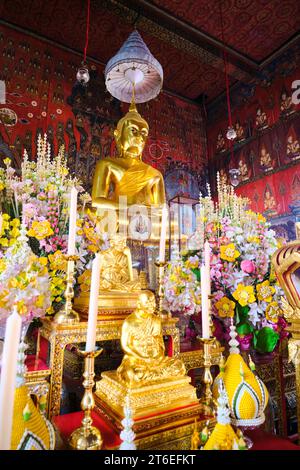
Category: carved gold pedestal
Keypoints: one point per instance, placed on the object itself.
(157, 396)
(163, 412)
(111, 305)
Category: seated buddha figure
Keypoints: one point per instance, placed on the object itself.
(261, 120)
(286, 104)
(292, 147)
(116, 273)
(266, 162)
(126, 175)
(142, 342)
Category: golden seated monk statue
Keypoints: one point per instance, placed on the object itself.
(154, 382)
(116, 273)
(142, 341)
(126, 175)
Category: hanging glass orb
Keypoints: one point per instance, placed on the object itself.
(231, 134)
(83, 75)
(234, 174)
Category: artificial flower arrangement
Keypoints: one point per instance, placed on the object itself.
(37, 200)
(243, 285)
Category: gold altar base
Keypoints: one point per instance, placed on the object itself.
(111, 305)
(164, 412)
(160, 395)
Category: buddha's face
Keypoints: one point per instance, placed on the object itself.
(133, 138)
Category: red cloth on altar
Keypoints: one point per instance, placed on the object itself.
(67, 423)
(264, 441)
(33, 365)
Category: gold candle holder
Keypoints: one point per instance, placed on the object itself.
(87, 437)
(67, 314)
(160, 292)
(207, 400)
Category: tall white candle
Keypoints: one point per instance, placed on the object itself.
(207, 264)
(72, 222)
(8, 377)
(163, 234)
(93, 307)
(204, 302)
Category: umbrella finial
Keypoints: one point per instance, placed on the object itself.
(132, 107)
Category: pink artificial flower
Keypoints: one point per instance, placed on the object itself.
(224, 240)
(209, 227)
(248, 266)
(245, 341)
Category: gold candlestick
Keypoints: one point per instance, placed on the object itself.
(160, 292)
(67, 314)
(207, 400)
(87, 437)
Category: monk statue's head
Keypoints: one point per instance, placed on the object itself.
(146, 302)
(131, 134)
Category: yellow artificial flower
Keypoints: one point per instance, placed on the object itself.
(58, 261)
(5, 216)
(93, 248)
(22, 309)
(3, 299)
(3, 241)
(2, 186)
(7, 161)
(229, 252)
(85, 280)
(273, 311)
(40, 301)
(261, 218)
(265, 291)
(244, 295)
(91, 234)
(2, 265)
(253, 239)
(15, 223)
(5, 225)
(43, 260)
(14, 233)
(225, 307)
(40, 230)
(12, 241)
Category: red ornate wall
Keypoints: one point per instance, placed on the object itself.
(42, 96)
(267, 150)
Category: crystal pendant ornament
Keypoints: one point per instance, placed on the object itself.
(83, 75)
(234, 174)
(231, 134)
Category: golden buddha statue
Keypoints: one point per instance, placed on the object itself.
(142, 341)
(126, 175)
(116, 273)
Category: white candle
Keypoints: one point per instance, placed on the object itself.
(204, 302)
(163, 234)
(8, 377)
(207, 264)
(93, 307)
(72, 222)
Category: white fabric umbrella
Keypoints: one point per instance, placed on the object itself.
(133, 64)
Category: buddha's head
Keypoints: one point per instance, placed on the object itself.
(146, 302)
(131, 134)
